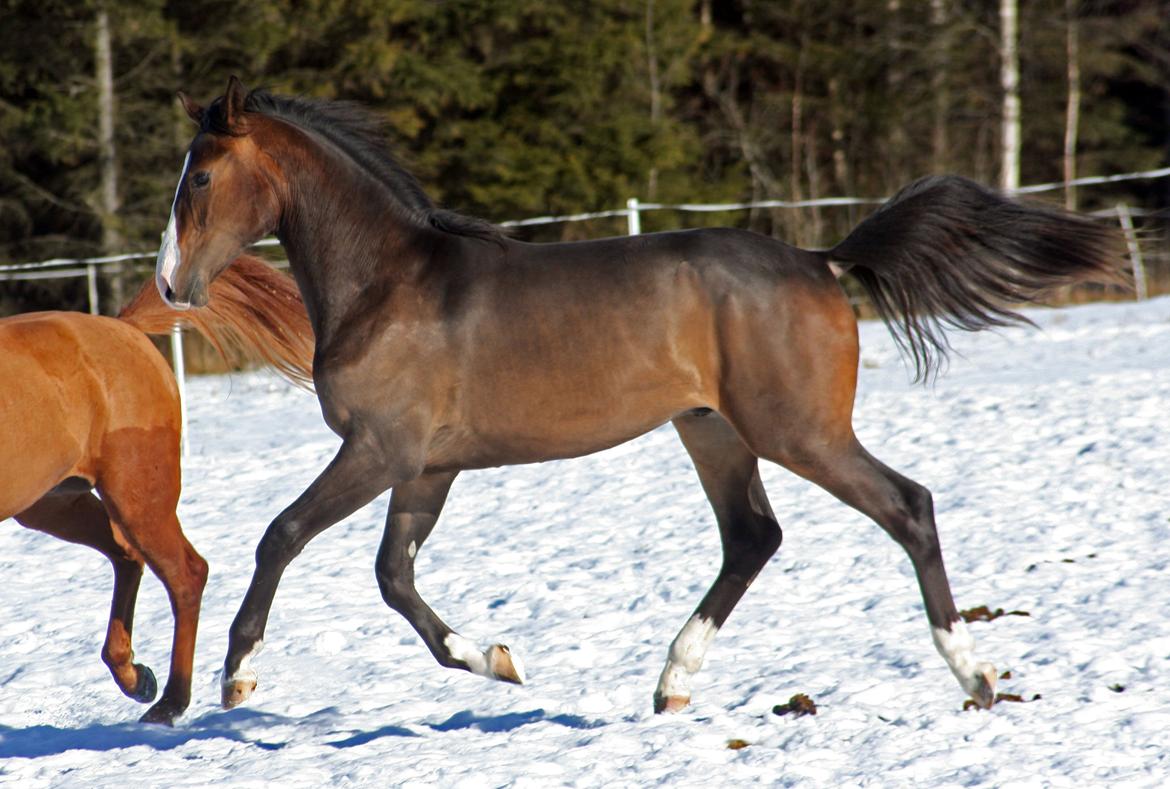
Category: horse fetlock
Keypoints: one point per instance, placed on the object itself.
(957, 647)
(163, 713)
(495, 662)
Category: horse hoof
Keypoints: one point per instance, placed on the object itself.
(147, 687)
(983, 691)
(670, 703)
(237, 691)
(162, 714)
(503, 665)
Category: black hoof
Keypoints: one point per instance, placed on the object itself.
(162, 713)
(147, 685)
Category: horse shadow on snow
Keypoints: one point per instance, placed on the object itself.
(38, 741)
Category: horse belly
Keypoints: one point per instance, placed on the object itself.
(548, 413)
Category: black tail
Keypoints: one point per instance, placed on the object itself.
(948, 252)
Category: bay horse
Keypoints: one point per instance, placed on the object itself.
(443, 345)
(90, 445)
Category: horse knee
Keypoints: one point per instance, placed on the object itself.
(281, 543)
(395, 588)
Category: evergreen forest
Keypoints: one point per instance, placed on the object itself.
(507, 109)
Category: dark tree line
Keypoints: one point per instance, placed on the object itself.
(514, 108)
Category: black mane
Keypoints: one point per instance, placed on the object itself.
(362, 136)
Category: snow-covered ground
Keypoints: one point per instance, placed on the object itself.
(1048, 453)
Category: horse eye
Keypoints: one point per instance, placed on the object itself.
(201, 178)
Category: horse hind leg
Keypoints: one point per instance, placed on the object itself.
(141, 491)
(414, 510)
(750, 535)
(80, 517)
(904, 509)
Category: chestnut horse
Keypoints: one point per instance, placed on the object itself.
(442, 345)
(90, 445)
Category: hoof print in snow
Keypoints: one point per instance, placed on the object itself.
(737, 744)
(982, 613)
(798, 705)
(970, 704)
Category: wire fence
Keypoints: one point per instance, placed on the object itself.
(88, 267)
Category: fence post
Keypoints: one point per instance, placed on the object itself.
(91, 284)
(633, 217)
(181, 378)
(1135, 251)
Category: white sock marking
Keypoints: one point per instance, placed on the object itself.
(463, 649)
(686, 657)
(246, 672)
(957, 647)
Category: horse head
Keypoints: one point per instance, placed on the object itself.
(226, 198)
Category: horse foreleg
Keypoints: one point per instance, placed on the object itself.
(80, 518)
(414, 510)
(750, 535)
(357, 474)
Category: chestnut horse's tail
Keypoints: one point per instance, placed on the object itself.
(253, 313)
(948, 252)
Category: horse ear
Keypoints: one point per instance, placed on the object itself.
(193, 109)
(233, 101)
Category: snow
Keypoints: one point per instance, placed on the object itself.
(1046, 450)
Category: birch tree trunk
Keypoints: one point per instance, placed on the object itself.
(1009, 78)
(1072, 115)
(108, 199)
(940, 85)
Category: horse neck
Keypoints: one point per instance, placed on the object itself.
(345, 235)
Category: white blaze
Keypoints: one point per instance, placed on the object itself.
(168, 252)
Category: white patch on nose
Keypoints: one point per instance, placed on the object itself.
(168, 259)
(686, 656)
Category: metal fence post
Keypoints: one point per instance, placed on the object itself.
(633, 217)
(181, 378)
